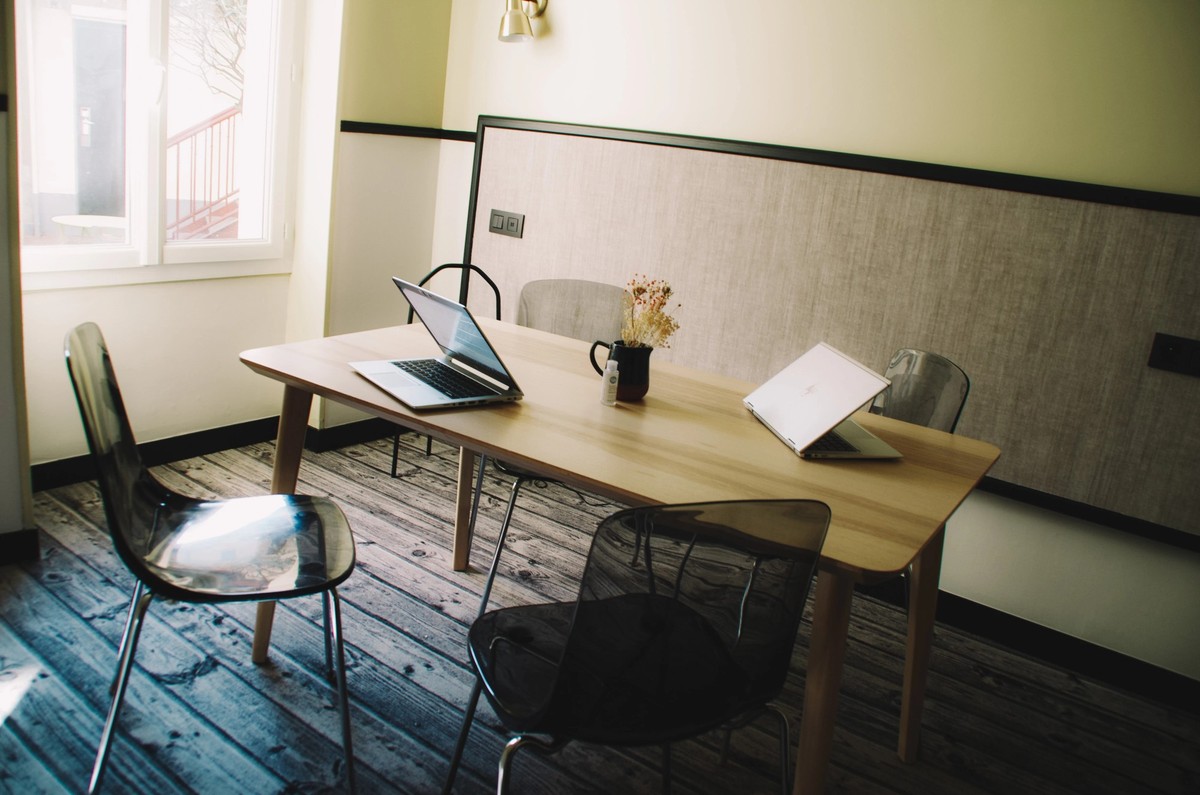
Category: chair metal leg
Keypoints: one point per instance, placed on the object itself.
(666, 769)
(487, 586)
(461, 743)
(785, 747)
(396, 453)
(483, 459)
(328, 633)
(133, 629)
(504, 774)
(138, 589)
(334, 606)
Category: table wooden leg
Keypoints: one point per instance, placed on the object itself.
(922, 609)
(462, 509)
(823, 678)
(289, 446)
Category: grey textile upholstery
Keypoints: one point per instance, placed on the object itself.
(576, 308)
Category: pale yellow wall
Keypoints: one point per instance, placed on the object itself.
(394, 62)
(1092, 90)
(1101, 91)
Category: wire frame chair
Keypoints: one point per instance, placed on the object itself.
(246, 549)
(686, 620)
(467, 270)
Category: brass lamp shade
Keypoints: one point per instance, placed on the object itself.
(514, 26)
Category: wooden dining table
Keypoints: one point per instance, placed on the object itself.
(689, 439)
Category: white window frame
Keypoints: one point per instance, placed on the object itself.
(147, 256)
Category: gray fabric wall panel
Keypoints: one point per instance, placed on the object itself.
(1050, 304)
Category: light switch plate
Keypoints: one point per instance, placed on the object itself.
(506, 223)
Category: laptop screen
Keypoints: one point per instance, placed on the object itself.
(455, 331)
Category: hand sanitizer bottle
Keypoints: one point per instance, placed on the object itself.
(608, 391)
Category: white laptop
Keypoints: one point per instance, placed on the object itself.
(468, 373)
(807, 403)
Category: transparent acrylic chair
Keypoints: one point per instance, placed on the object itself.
(248, 549)
(694, 633)
(927, 389)
(576, 308)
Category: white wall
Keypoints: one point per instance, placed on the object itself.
(1098, 91)
(175, 350)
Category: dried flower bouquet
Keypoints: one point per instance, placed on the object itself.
(647, 322)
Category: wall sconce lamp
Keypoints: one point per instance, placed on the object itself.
(515, 24)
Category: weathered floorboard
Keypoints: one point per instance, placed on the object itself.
(200, 717)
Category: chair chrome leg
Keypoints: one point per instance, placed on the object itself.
(334, 605)
(328, 632)
(491, 577)
(785, 747)
(138, 589)
(503, 774)
(475, 500)
(133, 628)
(461, 743)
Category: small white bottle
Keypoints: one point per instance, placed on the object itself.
(608, 389)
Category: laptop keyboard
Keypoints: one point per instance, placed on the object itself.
(831, 442)
(445, 378)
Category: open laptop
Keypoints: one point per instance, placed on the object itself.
(807, 403)
(468, 373)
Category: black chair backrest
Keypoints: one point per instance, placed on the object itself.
(718, 590)
(467, 271)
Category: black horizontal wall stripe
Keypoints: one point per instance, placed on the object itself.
(406, 131)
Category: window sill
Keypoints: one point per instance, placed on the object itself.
(39, 281)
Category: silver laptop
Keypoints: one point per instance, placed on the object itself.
(807, 405)
(468, 373)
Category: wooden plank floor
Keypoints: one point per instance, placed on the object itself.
(199, 717)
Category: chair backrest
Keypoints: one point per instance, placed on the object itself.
(467, 269)
(130, 493)
(577, 308)
(927, 389)
(721, 587)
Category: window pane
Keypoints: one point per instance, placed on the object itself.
(148, 131)
(218, 75)
(72, 138)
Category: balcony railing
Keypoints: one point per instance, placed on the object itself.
(202, 189)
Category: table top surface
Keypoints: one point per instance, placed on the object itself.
(689, 440)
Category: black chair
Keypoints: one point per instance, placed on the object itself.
(577, 308)
(424, 281)
(694, 632)
(249, 549)
(927, 389)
